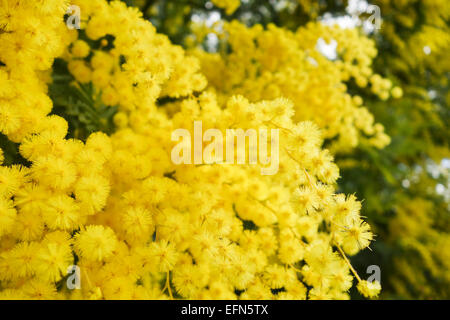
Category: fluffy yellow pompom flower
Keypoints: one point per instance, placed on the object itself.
(100, 143)
(53, 260)
(137, 224)
(92, 192)
(80, 49)
(356, 236)
(62, 213)
(20, 261)
(7, 216)
(229, 6)
(164, 255)
(54, 172)
(397, 92)
(369, 289)
(11, 179)
(95, 242)
(38, 290)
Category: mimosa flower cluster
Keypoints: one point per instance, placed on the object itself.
(229, 6)
(267, 63)
(137, 225)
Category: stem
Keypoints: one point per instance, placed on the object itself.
(304, 170)
(309, 179)
(294, 268)
(262, 203)
(348, 263)
(168, 285)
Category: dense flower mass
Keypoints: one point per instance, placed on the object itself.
(304, 73)
(229, 6)
(137, 225)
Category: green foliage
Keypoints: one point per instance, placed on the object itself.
(79, 104)
(11, 152)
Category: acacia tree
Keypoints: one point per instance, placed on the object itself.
(405, 184)
(86, 179)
